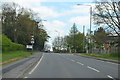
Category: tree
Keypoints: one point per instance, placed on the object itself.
(100, 37)
(41, 37)
(19, 25)
(72, 37)
(75, 40)
(108, 14)
(9, 19)
(59, 44)
(70, 43)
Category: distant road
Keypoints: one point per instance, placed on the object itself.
(55, 65)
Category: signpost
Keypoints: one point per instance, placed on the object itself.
(32, 41)
(30, 47)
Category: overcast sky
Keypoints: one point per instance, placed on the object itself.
(60, 15)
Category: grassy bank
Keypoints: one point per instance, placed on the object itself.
(106, 56)
(0, 57)
(11, 51)
(8, 45)
(14, 54)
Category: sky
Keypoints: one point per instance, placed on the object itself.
(60, 15)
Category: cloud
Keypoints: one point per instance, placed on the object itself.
(35, 5)
(46, 12)
(80, 20)
(55, 28)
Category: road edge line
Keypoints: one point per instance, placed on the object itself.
(36, 65)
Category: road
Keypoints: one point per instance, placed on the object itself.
(55, 65)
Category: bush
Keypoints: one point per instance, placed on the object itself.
(8, 45)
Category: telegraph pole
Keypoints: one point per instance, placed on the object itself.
(83, 38)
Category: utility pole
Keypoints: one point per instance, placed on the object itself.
(90, 26)
(90, 23)
(83, 38)
(32, 41)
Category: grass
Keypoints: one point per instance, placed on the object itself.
(14, 54)
(0, 57)
(101, 55)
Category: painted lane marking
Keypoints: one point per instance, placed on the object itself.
(25, 77)
(80, 63)
(93, 69)
(110, 77)
(36, 65)
(73, 60)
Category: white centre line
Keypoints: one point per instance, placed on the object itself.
(73, 60)
(36, 65)
(93, 69)
(110, 77)
(25, 77)
(80, 63)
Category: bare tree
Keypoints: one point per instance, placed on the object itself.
(108, 14)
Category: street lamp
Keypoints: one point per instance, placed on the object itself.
(90, 16)
(83, 38)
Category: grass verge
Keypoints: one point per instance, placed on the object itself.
(14, 54)
(103, 55)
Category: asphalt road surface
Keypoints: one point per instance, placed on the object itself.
(55, 65)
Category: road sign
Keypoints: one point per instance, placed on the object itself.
(29, 46)
(32, 42)
(32, 39)
(32, 36)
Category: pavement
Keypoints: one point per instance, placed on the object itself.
(55, 65)
(17, 69)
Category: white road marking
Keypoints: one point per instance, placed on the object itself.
(25, 77)
(80, 63)
(73, 60)
(110, 77)
(93, 69)
(36, 65)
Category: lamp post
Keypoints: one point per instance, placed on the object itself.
(90, 19)
(83, 38)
